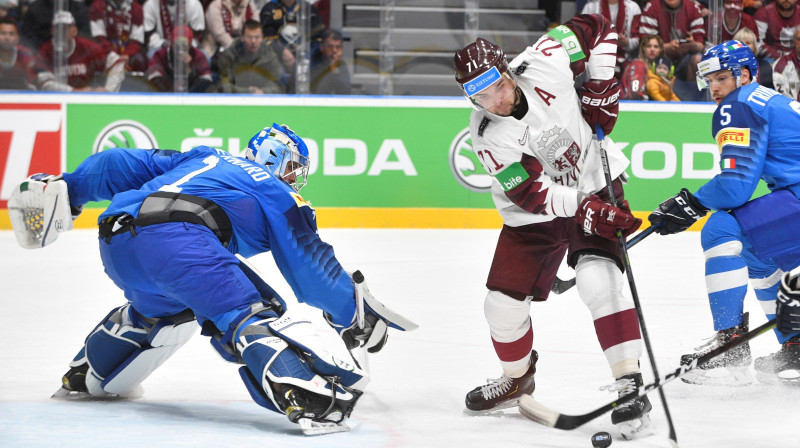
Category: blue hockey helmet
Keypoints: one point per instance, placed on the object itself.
(730, 55)
(283, 153)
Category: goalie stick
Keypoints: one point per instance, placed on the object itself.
(562, 286)
(539, 413)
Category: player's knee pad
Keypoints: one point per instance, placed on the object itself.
(295, 377)
(600, 285)
(125, 348)
(508, 318)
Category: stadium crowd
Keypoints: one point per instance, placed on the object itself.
(249, 46)
(231, 46)
(661, 42)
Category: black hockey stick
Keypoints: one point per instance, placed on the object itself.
(562, 286)
(535, 411)
(601, 141)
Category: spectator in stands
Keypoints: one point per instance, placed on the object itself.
(38, 22)
(118, 26)
(9, 8)
(329, 74)
(16, 61)
(250, 64)
(279, 21)
(634, 77)
(732, 19)
(660, 79)
(85, 60)
(621, 13)
(161, 69)
(324, 10)
(776, 22)
(159, 15)
(224, 21)
(747, 37)
(680, 25)
(751, 6)
(786, 71)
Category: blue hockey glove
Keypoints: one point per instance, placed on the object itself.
(788, 304)
(677, 213)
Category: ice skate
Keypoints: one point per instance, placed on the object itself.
(316, 414)
(73, 387)
(501, 393)
(730, 368)
(633, 417)
(782, 366)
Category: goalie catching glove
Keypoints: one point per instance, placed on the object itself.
(600, 103)
(677, 213)
(787, 311)
(600, 218)
(40, 211)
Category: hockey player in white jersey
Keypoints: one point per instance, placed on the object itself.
(533, 133)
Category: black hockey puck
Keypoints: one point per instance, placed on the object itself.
(601, 440)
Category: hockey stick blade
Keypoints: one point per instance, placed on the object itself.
(365, 298)
(539, 413)
(562, 286)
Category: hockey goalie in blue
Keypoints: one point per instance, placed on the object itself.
(169, 240)
(756, 130)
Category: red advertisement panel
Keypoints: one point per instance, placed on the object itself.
(30, 142)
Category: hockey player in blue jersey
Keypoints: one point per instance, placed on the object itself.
(756, 130)
(169, 240)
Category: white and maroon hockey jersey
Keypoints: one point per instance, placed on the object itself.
(540, 163)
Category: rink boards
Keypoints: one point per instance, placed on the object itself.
(403, 162)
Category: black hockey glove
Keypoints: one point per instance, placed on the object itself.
(788, 305)
(677, 213)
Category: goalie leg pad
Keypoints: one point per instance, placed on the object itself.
(39, 211)
(279, 378)
(125, 348)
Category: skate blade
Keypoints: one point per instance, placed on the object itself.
(790, 377)
(723, 376)
(497, 410)
(634, 428)
(73, 395)
(314, 428)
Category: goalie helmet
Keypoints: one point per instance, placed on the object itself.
(478, 66)
(730, 55)
(283, 153)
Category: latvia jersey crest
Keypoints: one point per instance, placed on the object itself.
(557, 147)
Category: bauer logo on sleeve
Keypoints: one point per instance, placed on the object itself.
(733, 136)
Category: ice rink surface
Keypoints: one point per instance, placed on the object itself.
(52, 297)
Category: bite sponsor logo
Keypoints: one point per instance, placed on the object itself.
(465, 166)
(124, 134)
(511, 183)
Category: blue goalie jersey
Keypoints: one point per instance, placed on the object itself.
(758, 134)
(266, 214)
